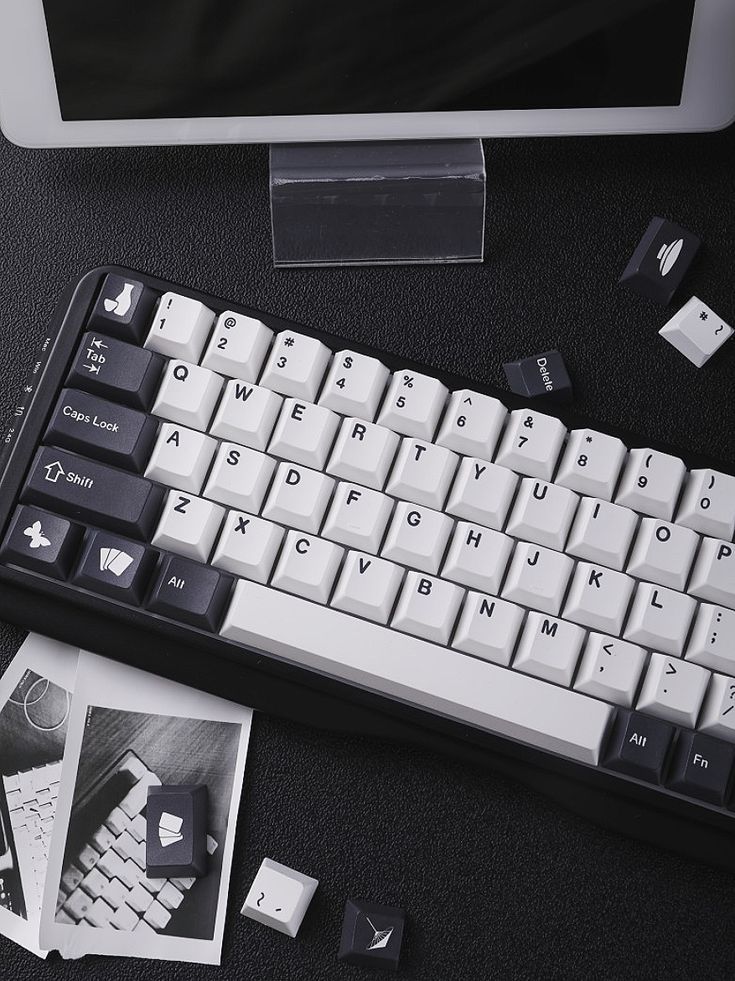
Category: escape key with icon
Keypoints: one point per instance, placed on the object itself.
(661, 260)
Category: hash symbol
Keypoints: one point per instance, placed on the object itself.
(703, 315)
(289, 342)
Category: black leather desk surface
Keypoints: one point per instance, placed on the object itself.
(498, 882)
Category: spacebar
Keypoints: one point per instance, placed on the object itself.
(446, 682)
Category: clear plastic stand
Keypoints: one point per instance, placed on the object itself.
(377, 203)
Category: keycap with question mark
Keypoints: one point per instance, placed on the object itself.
(279, 897)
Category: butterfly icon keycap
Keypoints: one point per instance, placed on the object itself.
(41, 541)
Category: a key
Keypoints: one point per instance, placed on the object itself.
(488, 628)
(531, 443)
(304, 433)
(537, 578)
(708, 504)
(188, 525)
(651, 483)
(639, 746)
(123, 308)
(247, 546)
(363, 453)
(239, 477)
(413, 404)
(610, 669)
(673, 690)
(238, 346)
(660, 260)
(713, 577)
(591, 463)
(602, 532)
(549, 648)
(697, 331)
(472, 424)
(192, 593)
(427, 607)
(180, 327)
(354, 385)
(246, 414)
(187, 394)
(357, 517)
(367, 586)
(660, 618)
(298, 497)
(701, 767)
(176, 835)
(477, 557)
(40, 541)
(422, 473)
(114, 566)
(296, 366)
(114, 370)
(598, 598)
(181, 457)
(482, 492)
(712, 642)
(307, 566)
(718, 712)
(542, 513)
(663, 553)
(417, 537)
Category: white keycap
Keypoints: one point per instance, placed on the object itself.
(718, 712)
(246, 414)
(100, 913)
(599, 598)
(354, 385)
(413, 404)
(298, 497)
(141, 929)
(531, 443)
(591, 463)
(367, 586)
(117, 821)
(139, 899)
(542, 513)
(488, 628)
(94, 883)
(713, 577)
(697, 331)
(187, 394)
(170, 896)
(304, 433)
(157, 916)
(116, 893)
(363, 453)
(673, 690)
(477, 557)
(239, 477)
(135, 799)
(296, 365)
(188, 526)
(103, 838)
(712, 643)
(124, 918)
(651, 483)
(708, 504)
(180, 327)
(417, 537)
(307, 566)
(482, 492)
(247, 546)
(549, 648)
(610, 669)
(78, 904)
(427, 607)
(181, 457)
(279, 897)
(422, 473)
(660, 618)
(537, 578)
(663, 553)
(472, 424)
(602, 532)
(357, 517)
(238, 346)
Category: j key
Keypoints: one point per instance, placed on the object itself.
(108, 432)
(115, 566)
(115, 370)
(702, 767)
(41, 541)
(123, 308)
(190, 592)
(93, 492)
(639, 745)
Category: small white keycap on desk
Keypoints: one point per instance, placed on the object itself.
(354, 385)
(181, 457)
(708, 504)
(713, 577)
(651, 483)
(279, 897)
(542, 513)
(304, 433)
(591, 463)
(531, 443)
(246, 414)
(482, 492)
(248, 546)
(610, 669)
(238, 346)
(180, 327)
(422, 473)
(673, 690)
(472, 424)
(663, 553)
(602, 532)
(296, 365)
(413, 404)
(363, 453)
(697, 331)
(712, 643)
(188, 394)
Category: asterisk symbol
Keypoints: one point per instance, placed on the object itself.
(588, 439)
(289, 342)
(703, 315)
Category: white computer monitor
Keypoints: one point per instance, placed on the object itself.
(126, 72)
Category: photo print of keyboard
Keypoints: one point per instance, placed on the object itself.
(324, 531)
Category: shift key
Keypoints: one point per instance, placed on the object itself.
(93, 493)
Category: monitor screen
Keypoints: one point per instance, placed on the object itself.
(127, 59)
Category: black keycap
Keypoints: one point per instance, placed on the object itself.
(100, 429)
(191, 592)
(372, 935)
(115, 566)
(661, 260)
(115, 370)
(176, 832)
(701, 767)
(541, 376)
(41, 541)
(124, 308)
(638, 745)
(93, 493)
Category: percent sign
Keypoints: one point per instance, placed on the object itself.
(407, 381)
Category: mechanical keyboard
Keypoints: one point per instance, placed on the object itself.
(324, 531)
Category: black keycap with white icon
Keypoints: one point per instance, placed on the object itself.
(115, 567)
(661, 260)
(372, 935)
(123, 308)
(188, 591)
(543, 376)
(639, 745)
(702, 767)
(176, 831)
(115, 370)
(41, 541)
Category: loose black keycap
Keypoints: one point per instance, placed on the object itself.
(190, 592)
(41, 541)
(541, 376)
(638, 745)
(115, 566)
(701, 767)
(372, 935)
(176, 831)
(661, 260)
(124, 308)
(115, 370)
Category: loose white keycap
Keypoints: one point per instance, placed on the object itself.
(181, 457)
(472, 424)
(549, 648)
(602, 532)
(708, 504)
(139, 898)
(357, 517)
(488, 628)
(713, 577)
(422, 473)
(591, 463)
(180, 327)
(157, 916)
(651, 483)
(78, 904)
(542, 513)
(660, 618)
(100, 914)
(482, 492)
(248, 546)
(537, 578)
(188, 525)
(246, 414)
(663, 553)
(238, 346)
(363, 453)
(531, 443)
(307, 566)
(296, 365)
(599, 598)
(124, 918)
(417, 537)
(712, 643)
(298, 497)
(354, 385)
(673, 690)
(304, 433)
(367, 586)
(477, 557)
(170, 896)
(413, 404)
(718, 712)
(279, 897)
(239, 477)
(188, 394)
(610, 669)
(427, 607)
(697, 331)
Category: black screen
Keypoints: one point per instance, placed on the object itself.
(125, 59)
